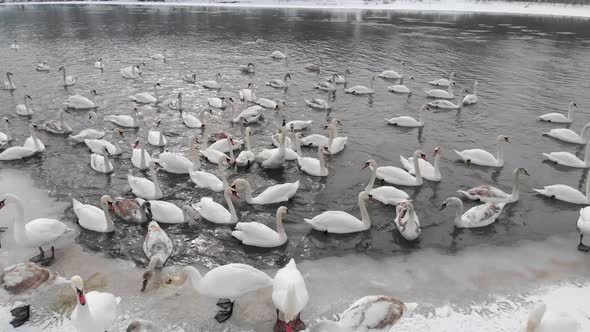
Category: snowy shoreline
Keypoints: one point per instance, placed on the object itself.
(429, 6)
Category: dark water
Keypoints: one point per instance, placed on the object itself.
(526, 67)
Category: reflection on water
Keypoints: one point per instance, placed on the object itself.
(526, 67)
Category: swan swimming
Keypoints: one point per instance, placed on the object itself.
(68, 80)
(560, 118)
(484, 158)
(487, 193)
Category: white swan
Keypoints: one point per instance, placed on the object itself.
(390, 74)
(157, 247)
(442, 94)
(217, 102)
(247, 94)
(130, 210)
(7, 135)
(335, 143)
(429, 172)
(569, 159)
(339, 79)
(79, 102)
(298, 124)
(271, 195)
(250, 68)
(159, 56)
(226, 144)
(567, 193)
(95, 311)
(312, 166)
(194, 122)
(175, 163)
(156, 136)
(190, 78)
(487, 193)
(315, 67)
(9, 84)
(213, 84)
(131, 72)
(33, 142)
(447, 104)
(213, 155)
(226, 282)
(318, 103)
(326, 86)
(141, 325)
(246, 157)
(249, 115)
(25, 109)
(127, 121)
(471, 98)
(277, 55)
(290, 296)
(100, 162)
(266, 103)
(400, 88)
(279, 84)
(94, 219)
(42, 66)
(68, 80)
(215, 212)
(59, 127)
(99, 64)
(88, 133)
(370, 313)
(384, 194)
(316, 140)
(36, 233)
(276, 157)
(570, 136)
(484, 158)
(341, 222)
(203, 179)
(541, 321)
(478, 216)
(361, 90)
(583, 225)
(98, 145)
(560, 118)
(146, 98)
(259, 235)
(145, 188)
(443, 81)
(176, 104)
(407, 221)
(396, 175)
(164, 212)
(140, 158)
(20, 152)
(408, 121)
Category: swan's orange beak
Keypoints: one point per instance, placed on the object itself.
(111, 206)
(365, 166)
(81, 297)
(235, 193)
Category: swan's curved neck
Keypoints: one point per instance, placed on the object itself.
(364, 213)
(10, 80)
(321, 159)
(280, 228)
(180, 102)
(104, 206)
(35, 139)
(371, 183)
(20, 232)
(231, 151)
(588, 187)
(156, 93)
(437, 165)
(193, 274)
(515, 185)
(230, 205)
(155, 181)
(332, 136)
(298, 145)
(586, 154)
(142, 162)
(195, 155)
(64, 74)
(27, 106)
(155, 260)
(221, 170)
(161, 137)
(371, 83)
(7, 130)
(500, 153)
(417, 169)
(420, 115)
(247, 141)
(248, 192)
(459, 212)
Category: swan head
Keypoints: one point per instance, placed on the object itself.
(5, 119)
(436, 151)
(91, 115)
(108, 201)
(119, 132)
(158, 123)
(77, 285)
(419, 154)
(224, 159)
(157, 85)
(573, 103)
(233, 192)
(451, 201)
(61, 68)
(336, 122)
(153, 165)
(239, 184)
(370, 163)
(190, 215)
(523, 170)
(503, 138)
(282, 211)
(365, 196)
(28, 97)
(288, 75)
(248, 131)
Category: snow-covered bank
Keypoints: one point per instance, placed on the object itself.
(457, 6)
(485, 288)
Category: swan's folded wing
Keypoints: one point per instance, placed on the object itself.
(44, 230)
(278, 193)
(254, 233)
(483, 215)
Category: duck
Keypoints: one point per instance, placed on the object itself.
(98, 145)
(8, 84)
(100, 162)
(99, 64)
(213, 84)
(271, 195)
(335, 144)
(396, 175)
(36, 233)
(213, 155)
(361, 90)
(144, 188)
(340, 222)
(408, 121)
(279, 84)
(79, 102)
(569, 159)
(246, 157)
(130, 210)
(140, 158)
(95, 311)
(7, 135)
(388, 195)
(339, 79)
(478, 216)
(249, 115)
(443, 81)
(94, 219)
(369, 313)
(471, 98)
(146, 98)
(159, 56)
(400, 88)
(539, 320)
(447, 104)
(33, 142)
(490, 194)
(131, 72)
(206, 180)
(88, 133)
(484, 158)
(566, 193)
(20, 152)
(277, 55)
(429, 172)
(227, 283)
(157, 247)
(68, 80)
(247, 95)
(326, 86)
(42, 66)
(250, 68)
(215, 212)
(570, 136)
(560, 118)
(165, 212)
(59, 127)
(256, 234)
(190, 78)
(313, 166)
(290, 297)
(24, 281)
(407, 221)
(583, 225)
(126, 121)
(441, 94)
(315, 67)
(218, 102)
(176, 104)
(25, 109)
(156, 136)
(318, 103)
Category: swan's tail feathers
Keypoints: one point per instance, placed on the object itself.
(76, 204)
(543, 192)
(547, 156)
(535, 317)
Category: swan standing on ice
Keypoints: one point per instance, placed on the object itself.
(35, 233)
(95, 311)
(361, 90)
(68, 80)
(94, 219)
(408, 121)
(279, 84)
(290, 296)
(384, 194)
(566, 193)
(271, 195)
(9, 84)
(560, 118)
(487, 193)
(484, 158)
(157, 247)
(146, 98)
(144, 188)
(25, 109)
(259, 235)
(471, 98)
(340, 222)
(478, 216)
